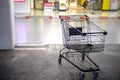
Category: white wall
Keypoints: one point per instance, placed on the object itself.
(7, 36)
(22, 7)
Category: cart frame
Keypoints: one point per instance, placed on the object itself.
(88, 38)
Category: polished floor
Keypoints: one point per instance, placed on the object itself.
(45, 28)
(38, 30)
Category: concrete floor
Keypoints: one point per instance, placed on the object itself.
(42, 64)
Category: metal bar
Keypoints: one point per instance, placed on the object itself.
(89, 70)
(93, 62)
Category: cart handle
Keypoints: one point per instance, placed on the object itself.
(72, 17)
(64, 17)
(84, 17)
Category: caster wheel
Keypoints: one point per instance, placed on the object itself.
(59, 59)
(95, 75)
(82, 75)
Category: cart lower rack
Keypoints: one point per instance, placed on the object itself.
(81, 37)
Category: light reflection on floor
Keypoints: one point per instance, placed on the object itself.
(41, 29)
(38, 31)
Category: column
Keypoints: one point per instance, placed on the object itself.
(7, 32)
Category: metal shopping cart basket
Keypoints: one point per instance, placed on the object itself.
(81, 36)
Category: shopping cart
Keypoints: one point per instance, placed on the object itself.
(81, 37)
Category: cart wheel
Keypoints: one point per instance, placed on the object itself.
(95, 75)
(83, 57)
(59, 59)
(82, 75)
